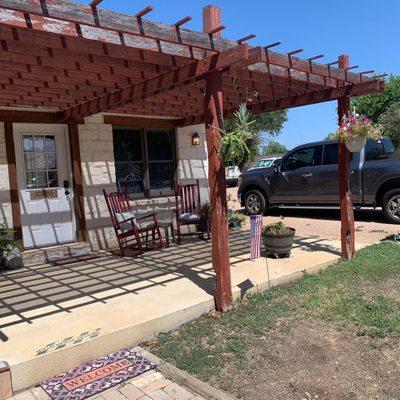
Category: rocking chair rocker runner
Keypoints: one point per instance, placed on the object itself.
(188, 210)
(131, 229)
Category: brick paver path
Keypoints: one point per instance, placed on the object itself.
(151, 385)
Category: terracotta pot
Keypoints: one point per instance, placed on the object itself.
(279, 245)
(355, 145)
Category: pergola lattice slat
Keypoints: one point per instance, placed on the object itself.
(161, 83)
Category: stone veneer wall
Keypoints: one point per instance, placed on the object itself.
(5, 201)
(97, 156)
(193, 160)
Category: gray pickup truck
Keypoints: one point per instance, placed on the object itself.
(308, 176)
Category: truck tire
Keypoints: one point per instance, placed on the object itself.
(255, 202)
(391, 206)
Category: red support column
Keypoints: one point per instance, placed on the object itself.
(217, 182)
(346, 198)
(211, 19)
(213, 110)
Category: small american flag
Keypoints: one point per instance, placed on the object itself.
(255, 232)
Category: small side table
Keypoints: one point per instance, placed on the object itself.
(167, 225)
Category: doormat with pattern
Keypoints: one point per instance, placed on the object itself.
(97, 376)
(72, 259)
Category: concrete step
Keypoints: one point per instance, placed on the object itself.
(46, 254)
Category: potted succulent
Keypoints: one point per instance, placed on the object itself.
(278, 239)
(354, 130)
(205, 216)
(235, 219)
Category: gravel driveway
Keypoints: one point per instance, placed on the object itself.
(371, 226)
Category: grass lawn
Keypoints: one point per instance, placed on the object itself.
(335, 335)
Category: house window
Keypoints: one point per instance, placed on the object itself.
(40, 160)
(144, 161)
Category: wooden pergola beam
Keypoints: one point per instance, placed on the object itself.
(118, 29)
(284, 103)
(160, 84)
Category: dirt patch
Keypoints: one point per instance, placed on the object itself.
(317, 360)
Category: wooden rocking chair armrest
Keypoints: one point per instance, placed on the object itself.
(146, 216)
(127, 220)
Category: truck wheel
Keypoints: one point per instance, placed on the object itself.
(391, 206)
(255, 202)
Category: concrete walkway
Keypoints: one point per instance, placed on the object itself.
(54, 318)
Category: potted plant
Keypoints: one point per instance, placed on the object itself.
(235, 219)
(10, 255)
(278, 239)
(205, 216)
(354, 130)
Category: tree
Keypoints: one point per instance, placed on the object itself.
(274, 147)
(374, 105)
(383, 108)
(264, 125)
(390, 121)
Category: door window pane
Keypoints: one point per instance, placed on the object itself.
(31, 180)
(40, 163)
(331, 154)
(51, 162)
(306, 157)
(160, 145)
(38, 143)
(41, 178)
(374, 150)
(29, 162)
(39, 159)
(52, 179)
(28, 143)
(49, 144)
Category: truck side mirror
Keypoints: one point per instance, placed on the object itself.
(277, 168)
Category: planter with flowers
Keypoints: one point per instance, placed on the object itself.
(354, 130)
(235, 219)
(278, 239)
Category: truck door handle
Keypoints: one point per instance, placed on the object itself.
(306, 175)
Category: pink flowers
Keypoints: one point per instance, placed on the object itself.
(356, 126)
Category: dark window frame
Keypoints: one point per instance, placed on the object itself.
(149, 193)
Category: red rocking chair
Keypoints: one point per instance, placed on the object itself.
(188, 211)
(130, 228)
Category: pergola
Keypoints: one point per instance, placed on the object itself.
(62, 61)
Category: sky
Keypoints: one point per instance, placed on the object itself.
(366, 30)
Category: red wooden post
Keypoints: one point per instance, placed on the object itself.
(213, 110)
(346, 198)
(211, 19)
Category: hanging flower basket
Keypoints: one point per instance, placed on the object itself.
(355, 145)
(355, 130)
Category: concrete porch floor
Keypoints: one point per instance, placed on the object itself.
(53, 318)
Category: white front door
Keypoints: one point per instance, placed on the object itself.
(44, 177)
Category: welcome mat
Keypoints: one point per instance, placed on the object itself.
(72, 259)
(96, 376)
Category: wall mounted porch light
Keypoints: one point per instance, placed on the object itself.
(195, 139)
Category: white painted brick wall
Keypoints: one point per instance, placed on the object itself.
(5, 201)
